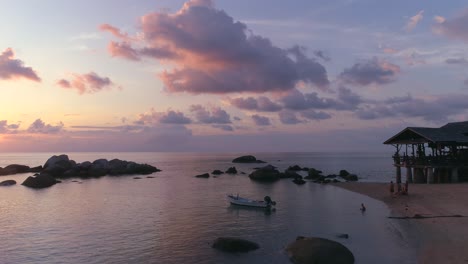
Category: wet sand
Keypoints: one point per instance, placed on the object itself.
(437, 237)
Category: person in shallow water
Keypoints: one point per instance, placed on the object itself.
(363, 208)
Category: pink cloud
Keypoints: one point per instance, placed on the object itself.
(115, 31)
(213, 53)
(413, 21)
(456, 27)
(124, 50)
(11, 68)
(390, 51)
(86, 83)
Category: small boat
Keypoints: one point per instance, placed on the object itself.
(237, 200)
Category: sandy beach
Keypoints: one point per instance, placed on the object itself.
(439, 238)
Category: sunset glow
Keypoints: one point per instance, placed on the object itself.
(211, 75)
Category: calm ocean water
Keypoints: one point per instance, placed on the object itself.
(174, 217)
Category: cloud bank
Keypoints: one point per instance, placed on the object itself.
(213, 53)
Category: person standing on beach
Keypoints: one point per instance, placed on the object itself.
(392, 188)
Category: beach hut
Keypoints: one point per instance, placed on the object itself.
(432, 155)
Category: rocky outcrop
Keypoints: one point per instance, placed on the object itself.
(265, 174)
(62, 167)
(247, 159)
(40, 181)
(233, 245)
(8, 183)
(204, 175)
(348, 176)
(307, 250)
(231, 170)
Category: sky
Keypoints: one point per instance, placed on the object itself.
(228, 76)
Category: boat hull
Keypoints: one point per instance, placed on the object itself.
(236, 200)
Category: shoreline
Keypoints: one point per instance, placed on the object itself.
(438, 237)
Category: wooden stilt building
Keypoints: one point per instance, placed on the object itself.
(432, 155)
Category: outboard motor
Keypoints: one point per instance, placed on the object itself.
(268, 200)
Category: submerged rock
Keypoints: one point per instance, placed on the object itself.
(247, 159)
(8, 183)
(231, 244)
(307, 250)
(204, 175)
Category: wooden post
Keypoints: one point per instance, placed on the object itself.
(430, 175)
(409, 174)
(398, 169)
(455, 174)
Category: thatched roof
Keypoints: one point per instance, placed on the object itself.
(451, 133)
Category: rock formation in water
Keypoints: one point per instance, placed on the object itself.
(307, 250)
(231, 244)
(265, 174)
(231, 170)
(247, 159)
(62, 167)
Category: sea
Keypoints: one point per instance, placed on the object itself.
(175, 217)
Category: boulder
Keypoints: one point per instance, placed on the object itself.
(315, 250)
(313, 174)
(85, 165)
(42, 180)
(57, 165)
(54, 159)
(231, 170)
(99, 167)
(217, 172)
(231, 244)
(344, 173)
(352, 177)
(247, 159)
(265, 174)
(204, 175)
(117, 167)
(348, 176)
(8, 183)
(294, 168)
